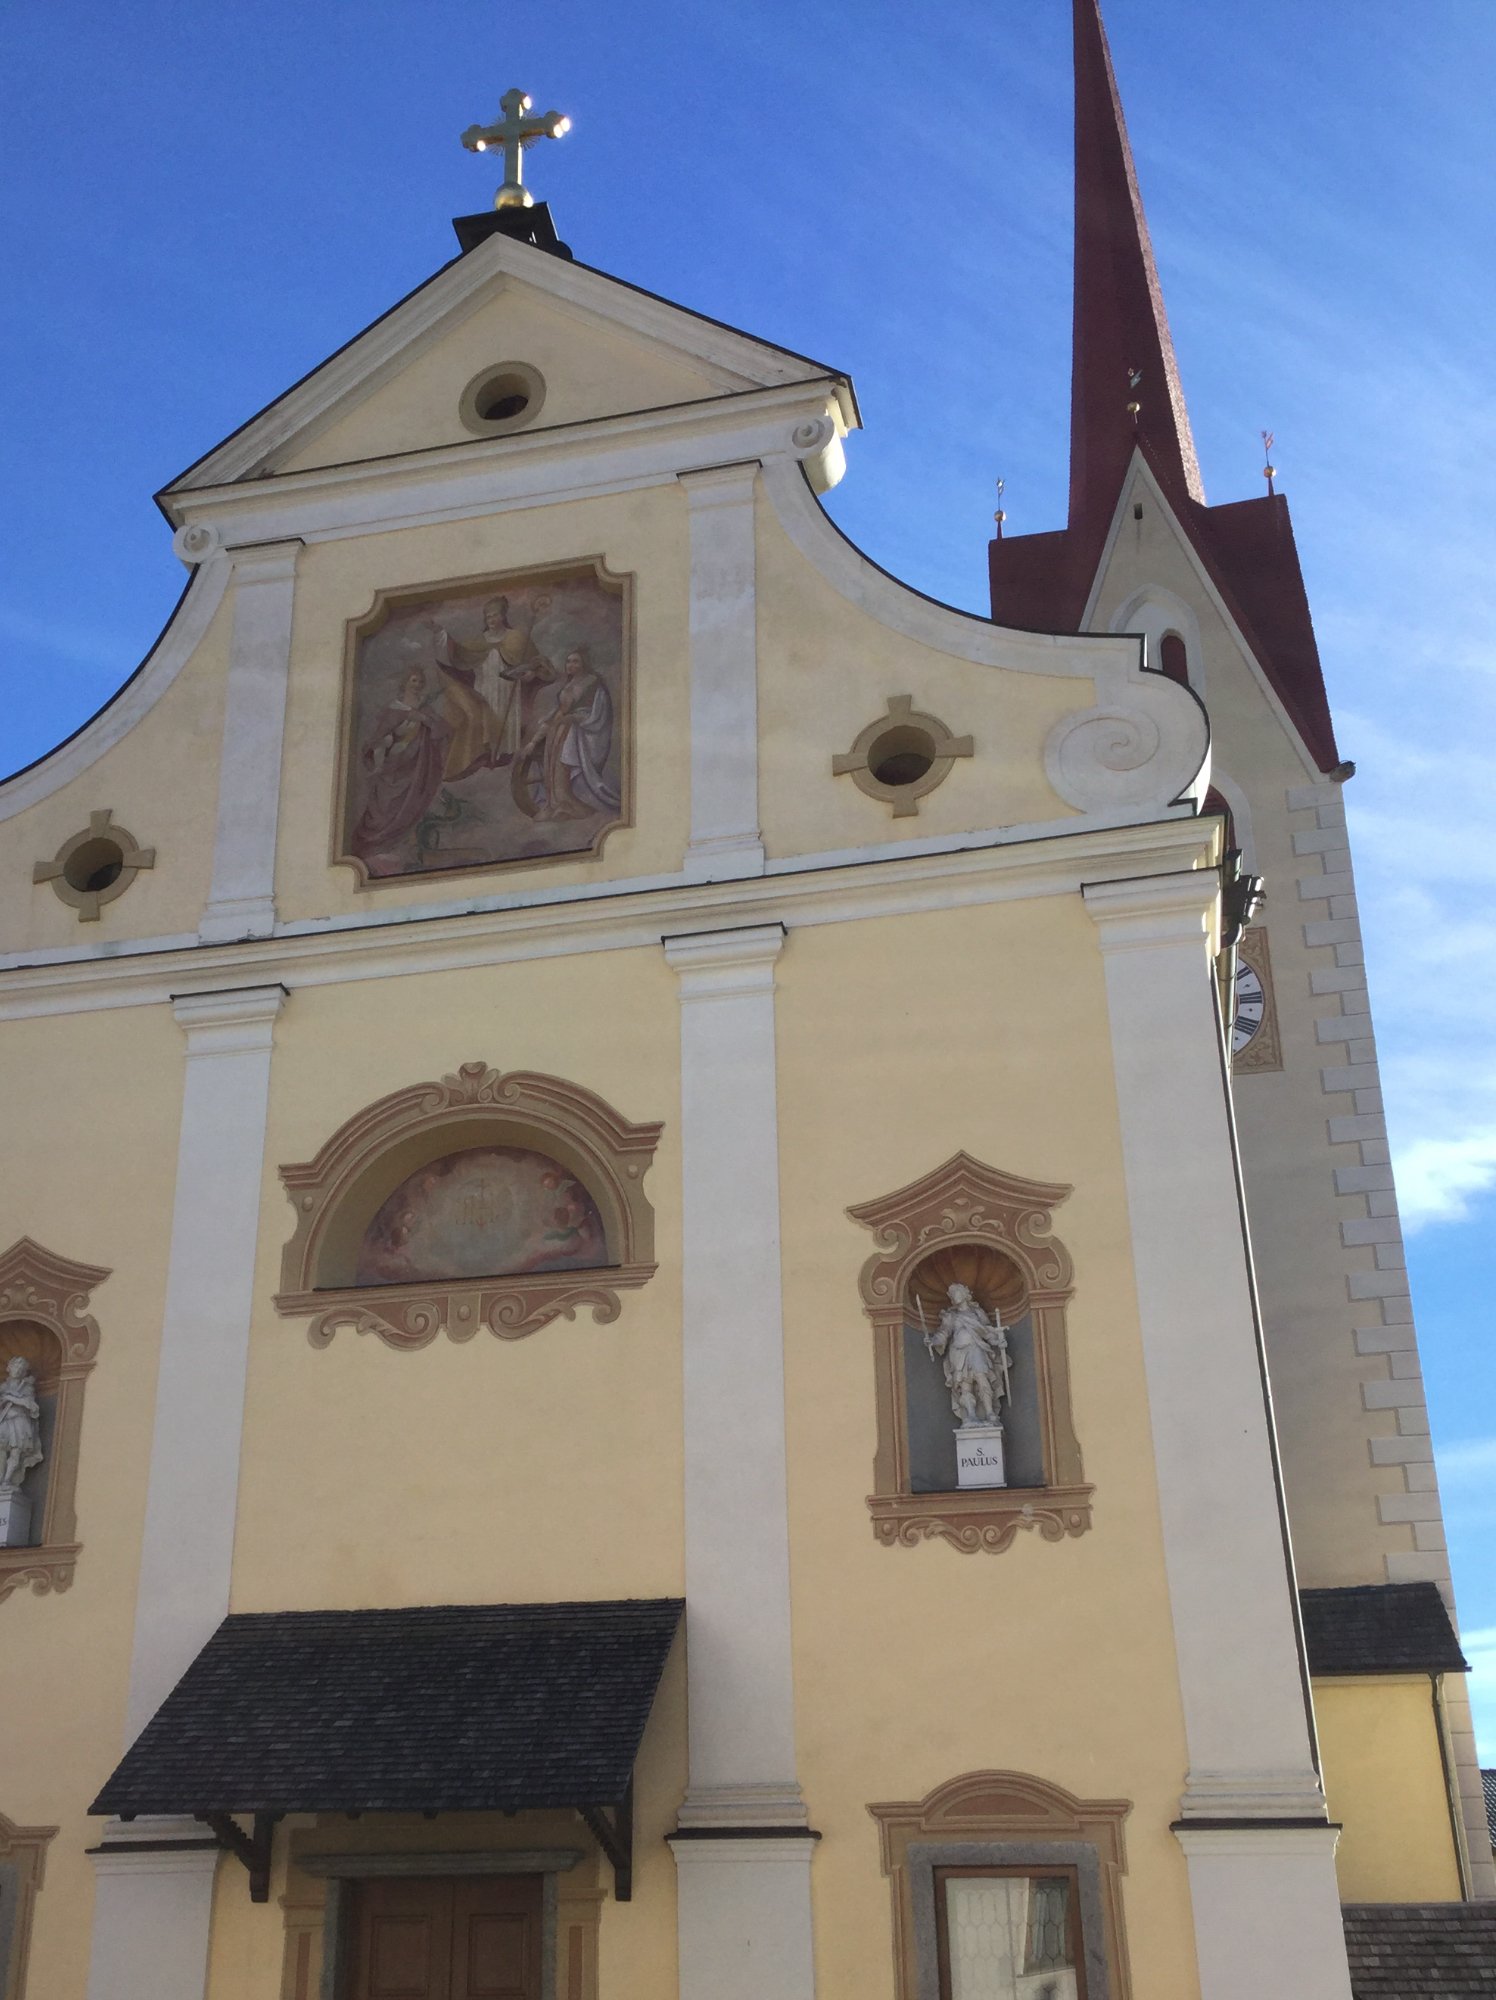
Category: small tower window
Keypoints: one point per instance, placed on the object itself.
(1173, 659)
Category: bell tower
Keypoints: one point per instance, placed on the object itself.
(1218, 594)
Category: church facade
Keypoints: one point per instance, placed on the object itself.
(693, 1301)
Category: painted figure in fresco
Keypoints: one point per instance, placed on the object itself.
(20, 1425)
(974, 1352)
(484, 1212)
(491, 683)
(571, 747)
(405, 759)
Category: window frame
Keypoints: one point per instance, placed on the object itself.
(1067, 1872)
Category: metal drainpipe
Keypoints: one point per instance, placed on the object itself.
(1452, 1799)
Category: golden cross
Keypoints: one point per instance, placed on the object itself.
(514, 131)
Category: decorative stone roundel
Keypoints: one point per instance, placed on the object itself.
(902, 756)
(95, 866)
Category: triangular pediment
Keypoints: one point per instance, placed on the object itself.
(595, 346)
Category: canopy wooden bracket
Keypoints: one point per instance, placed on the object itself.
(615, 1836)
(253, 1849)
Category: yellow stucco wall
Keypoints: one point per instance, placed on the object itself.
(642, 534)
(1384, 1779)
(161, 782)
(827, 668)
(915, 1665)
(92, 1104)
(487, 1470)
(590, 368)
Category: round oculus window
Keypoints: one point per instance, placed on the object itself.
(503, 398)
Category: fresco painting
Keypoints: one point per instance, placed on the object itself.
(485, 1212)
(487, 723)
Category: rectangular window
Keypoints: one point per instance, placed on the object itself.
(1009, 1934)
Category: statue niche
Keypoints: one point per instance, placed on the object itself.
(482, 1201)
(973, 1417)
(967, 1296)
(47, 1347)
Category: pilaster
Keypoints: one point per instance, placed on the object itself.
(241, 897)
(743, 1847)
(1252, 1779)
(154, 1901)
(725, 842)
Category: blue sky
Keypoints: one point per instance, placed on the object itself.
(199, 204)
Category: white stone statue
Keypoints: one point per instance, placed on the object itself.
(20, 1426)
(973, 1350)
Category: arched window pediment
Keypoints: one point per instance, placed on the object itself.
(484, 1200)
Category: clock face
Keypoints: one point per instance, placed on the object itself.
(1251, 1004)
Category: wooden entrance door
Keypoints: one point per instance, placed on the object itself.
(474, 1937)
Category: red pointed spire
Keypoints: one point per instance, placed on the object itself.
(1121, 329)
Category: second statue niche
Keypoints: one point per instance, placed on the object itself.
(967, 1294)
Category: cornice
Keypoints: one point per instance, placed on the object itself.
(465, 285)
(617, 916)
(1138, 912)
(524, 468)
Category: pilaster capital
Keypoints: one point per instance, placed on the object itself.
(1144, 911)
(266, 562)
(721, 485)
(716, 965)
(236, 1021)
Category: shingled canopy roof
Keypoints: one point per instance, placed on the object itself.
(442, 1708)
(1380, 1628)
(1403, 1951)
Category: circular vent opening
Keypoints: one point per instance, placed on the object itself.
(93, 866)
(505, 397)
(503, 401)
(901, 757)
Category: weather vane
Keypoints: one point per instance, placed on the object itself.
(514, 131)
(1002, 513)
(1269, 470)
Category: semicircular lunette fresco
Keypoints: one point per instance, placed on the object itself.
(488, 1211)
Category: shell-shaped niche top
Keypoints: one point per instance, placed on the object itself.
(483, 1200)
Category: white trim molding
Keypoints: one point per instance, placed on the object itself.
(731, 360)
(241, 898)
(1267, 1912)
(188, 1540)
(1241, 1676)
(744, 1902)
(153, 1905)
(725, 839)
(180, 638)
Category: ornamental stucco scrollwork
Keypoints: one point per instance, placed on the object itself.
(1126, 756)
(336, 1194)
(962, 1218)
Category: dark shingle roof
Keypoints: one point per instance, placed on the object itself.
(1380, 1628)
(1406, 1951)
(1488, 1786)
(452, 1708)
